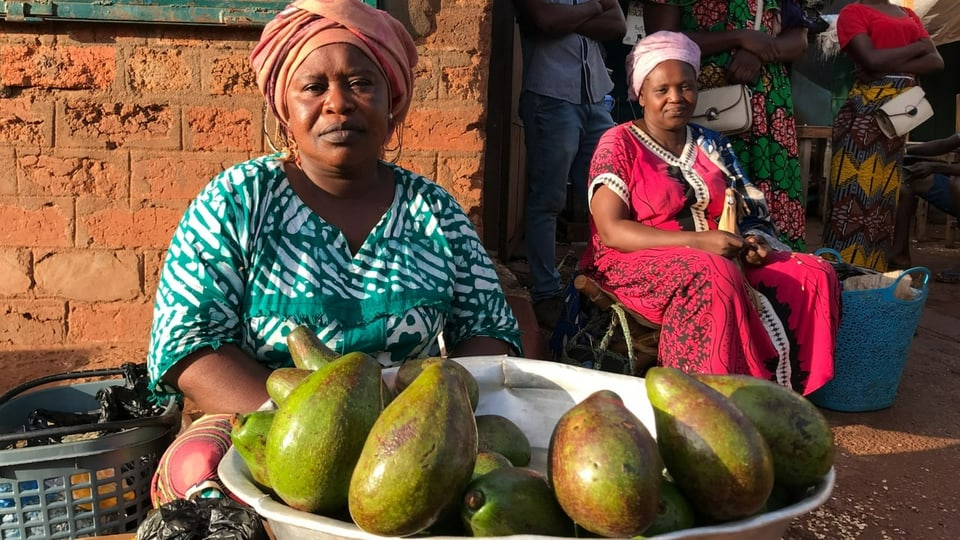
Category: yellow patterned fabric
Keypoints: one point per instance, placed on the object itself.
(864, 176)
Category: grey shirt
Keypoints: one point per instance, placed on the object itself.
(570, 68)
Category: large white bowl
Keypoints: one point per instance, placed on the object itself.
(534, 394)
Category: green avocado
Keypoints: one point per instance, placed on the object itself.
(409, 370)
(713, 452)
(513, 500)
(282, 381)
(674, 512)
(799, 437)
(604, 467)
(248, 433)
(306, 349)
(488, 461)
(319, 431)
(499, 434)
(418, 457)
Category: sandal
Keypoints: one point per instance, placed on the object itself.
(947, 276)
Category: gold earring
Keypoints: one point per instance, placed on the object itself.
(293, 152)
(398, 145)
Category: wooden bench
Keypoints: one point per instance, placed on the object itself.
(814, 148)
(645, 335)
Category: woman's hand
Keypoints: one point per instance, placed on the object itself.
(719, 243)
(744, 68)
(864, 75)
(764, 46)
(756, 250)
(919, 169)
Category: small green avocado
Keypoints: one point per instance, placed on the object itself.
(513, 500)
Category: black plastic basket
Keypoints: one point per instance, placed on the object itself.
(96, 484)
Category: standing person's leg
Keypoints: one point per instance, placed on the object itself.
(596, 120)
(552, 140)
(955, 195)
(943, 192)
(899, 256)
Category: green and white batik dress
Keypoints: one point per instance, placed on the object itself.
(249, 261)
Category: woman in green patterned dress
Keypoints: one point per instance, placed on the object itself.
(734, 53)
(327, 234)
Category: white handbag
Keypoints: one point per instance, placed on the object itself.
(904, 112)
(726, 109)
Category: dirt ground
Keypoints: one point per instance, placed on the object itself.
(897, 468)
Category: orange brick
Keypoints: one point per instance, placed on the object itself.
(426, 79)
(8, 175)
(14, 33)
(90, 275)
(462, 78)
(120, 35)
(114, 322)
(63, 67)
(74, 173)
(36, 222)
(453, 35)
(179, 175)
(422, 163)
(232, 75)
(15, 271)
(25, 122)
(101, 224)
(223, 129)
(152, 265)
(452, 128)
(89, 124)
(33, 323)
(462, 176)
(209, 37)
(160, 70)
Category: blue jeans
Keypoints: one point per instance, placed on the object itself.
(560, 138)
(940, 195)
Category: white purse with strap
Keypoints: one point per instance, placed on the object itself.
(727, 109)
(901, 114)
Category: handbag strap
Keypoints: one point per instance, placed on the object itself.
(759, 16)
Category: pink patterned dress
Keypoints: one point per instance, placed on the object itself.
(777, 322)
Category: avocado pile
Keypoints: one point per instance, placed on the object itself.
(418, 460)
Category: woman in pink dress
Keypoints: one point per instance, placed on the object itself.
(727, 303)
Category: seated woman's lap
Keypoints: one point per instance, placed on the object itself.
(702, 304)
(648, 281)
(805, 282)
(805, 293)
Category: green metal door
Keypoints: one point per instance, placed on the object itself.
(215, 12)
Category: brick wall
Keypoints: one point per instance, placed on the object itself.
(108, 130)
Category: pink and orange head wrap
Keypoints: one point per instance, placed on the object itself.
(306, 25)
(654, 49)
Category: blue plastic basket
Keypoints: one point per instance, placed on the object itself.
(94, 483)
(873, 341)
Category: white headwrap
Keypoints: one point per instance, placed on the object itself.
(654, 49)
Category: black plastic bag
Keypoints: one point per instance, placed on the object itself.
(127, 401)
(202, 519)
